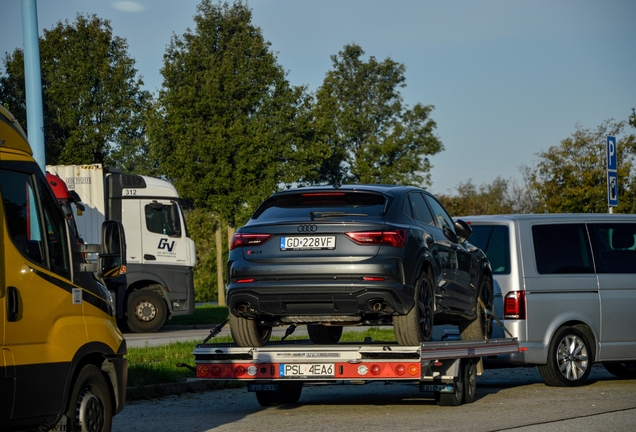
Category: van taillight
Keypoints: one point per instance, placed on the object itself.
(515, 305)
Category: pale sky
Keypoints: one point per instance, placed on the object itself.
(508, 79)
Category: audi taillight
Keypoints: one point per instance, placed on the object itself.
(515, 305)
(248, 239)
(395, 238)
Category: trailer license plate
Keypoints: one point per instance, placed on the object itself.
(307, 243)
(306, 370)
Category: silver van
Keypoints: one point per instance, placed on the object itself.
(568, 283)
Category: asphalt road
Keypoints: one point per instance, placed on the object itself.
(507, 399)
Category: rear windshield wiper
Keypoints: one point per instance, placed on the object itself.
(319, 215)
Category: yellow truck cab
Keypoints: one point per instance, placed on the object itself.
(62, 365)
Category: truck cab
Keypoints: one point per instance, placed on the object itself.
(62, 362)
(161, 255)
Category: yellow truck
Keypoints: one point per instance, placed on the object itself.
(63, 364)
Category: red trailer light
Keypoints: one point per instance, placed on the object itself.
(215, 371)
(414, 369)
(375, 369)
(202, 371)
(239, 371)
(400, 370)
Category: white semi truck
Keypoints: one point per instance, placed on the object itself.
(160, 253)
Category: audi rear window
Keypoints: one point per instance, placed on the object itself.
(321, 205)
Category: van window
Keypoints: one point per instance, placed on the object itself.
(162, 219)
(614, 247)
(30, 236)
(494, 240)
(562, 248)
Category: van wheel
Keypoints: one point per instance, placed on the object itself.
(324, 335)
(146, 311)
(625, 369)
(417, 325)
(90, 408)
(481, 327)
(569, 359)
(248, 333)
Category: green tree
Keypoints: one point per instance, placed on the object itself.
(230, 129)
(572, 177)
(93, 102)
(373, 136)
(500, 197)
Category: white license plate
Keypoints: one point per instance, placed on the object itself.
(307, 243)
(306, 370)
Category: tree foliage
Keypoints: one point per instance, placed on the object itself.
(93, 102)
(572, 177)
(230, 129)
(373, 136)
(500, 197)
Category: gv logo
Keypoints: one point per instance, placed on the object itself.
(163, 244)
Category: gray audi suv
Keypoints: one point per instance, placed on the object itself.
(350, 255)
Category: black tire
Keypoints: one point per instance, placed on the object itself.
(417, 325)
(470, 380)
(324, 335)
(247, 333)
(569, 359)
(481, 327)
(146, 311)
(90, 407)
(457, 397)
(287, 394)
(626, 369)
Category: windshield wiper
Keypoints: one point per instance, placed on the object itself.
(320, 215)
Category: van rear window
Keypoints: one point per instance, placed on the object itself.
(562, 248)
(614, 247)
(494, 240)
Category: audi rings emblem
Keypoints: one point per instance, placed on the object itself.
(307, 228)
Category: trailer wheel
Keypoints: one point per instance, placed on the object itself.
(569, 359)
(287, 394)
(470, 380)
(457, 397)
(626, 369)
(90, 407)
(481, 327)
(147, 311)
(417, 325)
(248, 333)
(324, 335)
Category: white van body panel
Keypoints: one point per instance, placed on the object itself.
(604, 302)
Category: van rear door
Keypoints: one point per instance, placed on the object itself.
(614, 247)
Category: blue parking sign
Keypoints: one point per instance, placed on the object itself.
(612, 189)
(611, 153)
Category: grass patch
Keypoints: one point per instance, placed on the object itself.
(205, 314)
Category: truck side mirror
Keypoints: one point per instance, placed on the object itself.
(112, 256)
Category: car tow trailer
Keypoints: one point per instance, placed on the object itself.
(277, 371)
